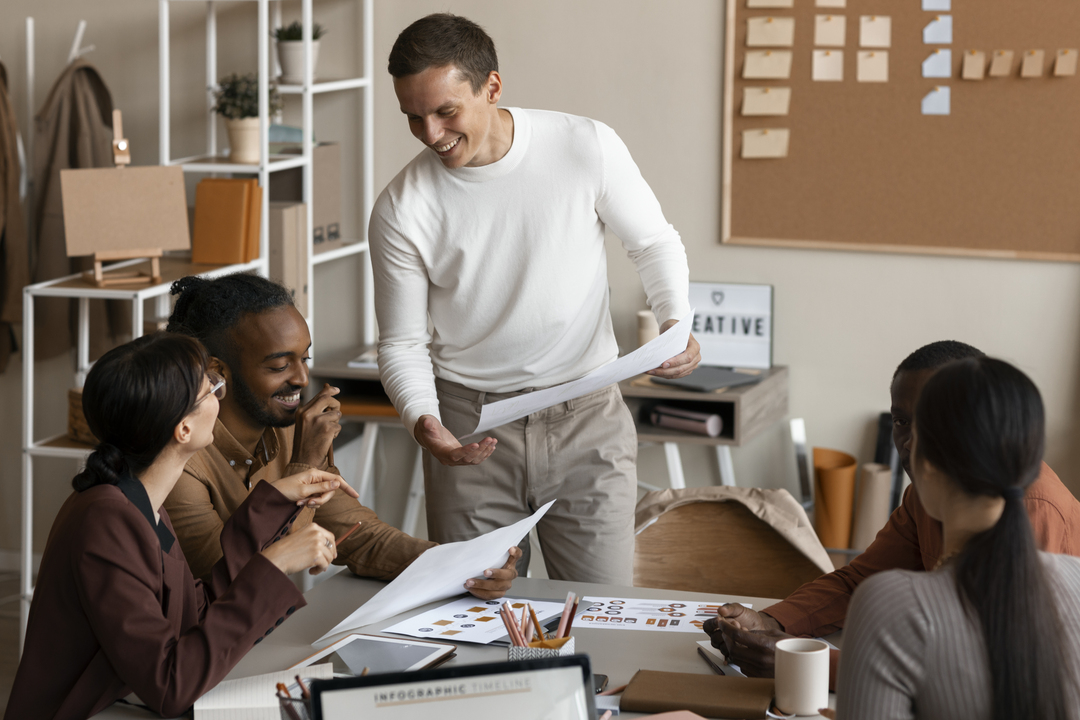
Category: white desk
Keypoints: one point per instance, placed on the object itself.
(615, 653)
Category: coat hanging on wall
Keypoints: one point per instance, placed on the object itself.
(14, 258)
(74, 130)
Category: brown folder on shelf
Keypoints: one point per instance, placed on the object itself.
(711, 696)
(227, 214)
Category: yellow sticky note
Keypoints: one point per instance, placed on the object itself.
(1032, 65)
(829, 30)
(1001, 63)
(770, 3)
(872, 66)
(767, 65)
(974, 67)
(767, 143)
(875, 31)
(828, 65)
(1065, 63)
(766, 100)
(770, 32)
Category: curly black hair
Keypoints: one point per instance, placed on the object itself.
(208, 309)
(937, 354)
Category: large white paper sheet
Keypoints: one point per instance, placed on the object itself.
(640, 614)
(648, 356)
(438, 574)
(471, 620)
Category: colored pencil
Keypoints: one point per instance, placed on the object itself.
(613, 691)
(282, 689)
(507, 616)
(565, 614)
(304, 692)
(536, 623)
(347, 534)
(573, 612)
(365, 672)
(524, 624)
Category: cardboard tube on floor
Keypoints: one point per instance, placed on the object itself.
(871, 504)
(834, 493)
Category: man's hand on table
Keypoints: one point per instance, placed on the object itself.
(496, 583)
(748, 638)
(442, 444)
(682, 364)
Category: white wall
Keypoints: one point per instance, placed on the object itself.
(651, 70)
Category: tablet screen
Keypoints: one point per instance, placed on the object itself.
(379, 655)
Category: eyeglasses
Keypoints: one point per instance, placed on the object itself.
(217, 387)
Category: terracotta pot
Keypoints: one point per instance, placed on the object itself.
(243, 140)
(291, 57)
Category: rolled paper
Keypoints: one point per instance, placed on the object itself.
(687, 420)
(871, 504)
(834, 496)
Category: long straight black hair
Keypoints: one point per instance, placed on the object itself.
(980, 421)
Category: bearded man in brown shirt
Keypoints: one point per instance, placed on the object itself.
(259, 343)
(911, 540)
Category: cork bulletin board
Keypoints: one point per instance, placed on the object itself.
(855, 148)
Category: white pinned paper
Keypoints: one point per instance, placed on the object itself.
(828, 65)
(938, 64)
(937, 101)
(770, 32)
(937, 5)
(875, 31)
(872, 66)
(829, 30)
(939, 31)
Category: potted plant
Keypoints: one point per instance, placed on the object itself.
(290, 47)
(236, 98)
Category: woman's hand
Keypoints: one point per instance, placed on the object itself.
(311, 547)
(312, 487)
(496, 583)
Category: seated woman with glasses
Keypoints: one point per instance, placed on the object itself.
(116, 609)
(994, 632)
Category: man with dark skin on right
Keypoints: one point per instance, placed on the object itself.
(911, 540)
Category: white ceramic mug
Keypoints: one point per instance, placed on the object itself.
(802, 676)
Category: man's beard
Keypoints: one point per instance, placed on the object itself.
(257, 409)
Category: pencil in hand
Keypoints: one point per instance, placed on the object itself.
(344, 537)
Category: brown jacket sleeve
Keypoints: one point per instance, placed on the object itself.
(166, 669)
(819, 606)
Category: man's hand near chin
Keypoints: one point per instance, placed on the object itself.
(445, 448)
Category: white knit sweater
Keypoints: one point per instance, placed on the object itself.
(508, 261)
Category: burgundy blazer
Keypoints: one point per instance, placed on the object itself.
(116, 609)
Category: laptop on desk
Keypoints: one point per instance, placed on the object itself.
(548, 689)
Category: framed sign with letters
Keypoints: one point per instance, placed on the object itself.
(733, 323)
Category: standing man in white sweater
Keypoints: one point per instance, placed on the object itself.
(495, 232)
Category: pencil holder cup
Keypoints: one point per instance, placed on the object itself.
(542, 649)
(295, 709)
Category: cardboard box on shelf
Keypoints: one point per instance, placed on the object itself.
(227, 218)
(287, 186)
(288, 250)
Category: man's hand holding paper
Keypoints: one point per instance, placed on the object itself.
(682, 364)
(446, 448)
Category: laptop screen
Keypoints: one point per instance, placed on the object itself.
(550, 689)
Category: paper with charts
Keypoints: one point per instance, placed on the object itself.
(439, 573)
(646, 357)
(471, 620)
(638, 614)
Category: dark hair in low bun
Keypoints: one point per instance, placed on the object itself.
(133, 399)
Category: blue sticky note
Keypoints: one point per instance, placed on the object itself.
(937, 5)
(938, 65)
(936, 101)
(939, 31)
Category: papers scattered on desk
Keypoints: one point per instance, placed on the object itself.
(646, 357)
(438, 574)
(253, 698)
(367, 360)
(470, 620)
(639, 614)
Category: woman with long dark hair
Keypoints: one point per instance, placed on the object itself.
(994, 631)
(116, 609)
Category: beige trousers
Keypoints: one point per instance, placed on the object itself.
(581, 453)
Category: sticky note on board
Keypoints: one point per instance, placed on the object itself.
(830, 3)
(974, 67)
(766, 101)
(765, 143)
(937, 5)
(875, 31)
(872, 66)
(938, 64)
(939, 31)
(1032, 65)
(770, 3)
(829, 30)
(767, 65)
(828, 65)
(1001, 64)
(1065, 62)
(770, 32)
(936, 101)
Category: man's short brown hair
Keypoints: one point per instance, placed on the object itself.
(444, 39)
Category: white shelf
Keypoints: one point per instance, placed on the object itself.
(351, 247)
(222, 164)
(326, 86)
(60, 446)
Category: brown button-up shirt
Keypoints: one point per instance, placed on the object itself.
(218, 479)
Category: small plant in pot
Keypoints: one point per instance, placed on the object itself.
(236, 98)
(290, 47)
